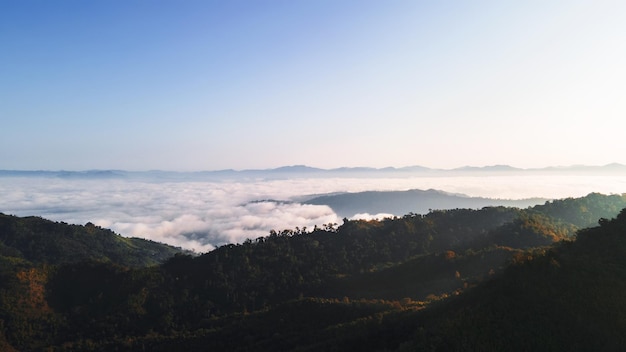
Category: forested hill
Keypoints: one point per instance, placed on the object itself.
(568, 298)
(406, 283)
(43, 241)
(411, 201)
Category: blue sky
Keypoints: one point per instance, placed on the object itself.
(205, 85)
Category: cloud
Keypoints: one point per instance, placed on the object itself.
(200, 215)
(366, 216)
(192, 215)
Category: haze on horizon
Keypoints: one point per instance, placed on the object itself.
(211, 85)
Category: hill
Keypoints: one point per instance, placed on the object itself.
(404, 202)
(569, 298)
(303, 171)
(41, 241)
(446, 280)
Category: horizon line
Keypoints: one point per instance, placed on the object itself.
(294, 167)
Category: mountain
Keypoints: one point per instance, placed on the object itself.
(304, 171)
(90, 174)
(609, 168)
(411, 201)
(497, 278)
(296, 168)
(569, 298)
(43, 241)
(497, 168)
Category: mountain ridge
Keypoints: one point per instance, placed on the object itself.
(303, 170)
(44, 241)
(379, 285)
(410, 201)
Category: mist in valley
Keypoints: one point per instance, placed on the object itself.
(200, 212)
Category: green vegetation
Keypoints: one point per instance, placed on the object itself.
(43, 241)
(491, 279)
(566, 298)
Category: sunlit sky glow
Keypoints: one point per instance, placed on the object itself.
(206, 85)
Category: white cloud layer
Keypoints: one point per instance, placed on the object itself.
(200, 215)
(367, 216)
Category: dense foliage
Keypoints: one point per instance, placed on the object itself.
(566, 298)
(445, 280)
(41, 241)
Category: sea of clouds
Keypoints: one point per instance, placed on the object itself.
(200, 215)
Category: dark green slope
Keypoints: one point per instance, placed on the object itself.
(585, 211)
(570, 298)
(365, 285)
(43, 241)
(424, 276)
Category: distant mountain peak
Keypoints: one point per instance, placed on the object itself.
(487, 168)
(295, 168)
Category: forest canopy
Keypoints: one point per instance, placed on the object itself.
(400, 283)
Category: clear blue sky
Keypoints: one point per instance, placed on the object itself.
(205, 85)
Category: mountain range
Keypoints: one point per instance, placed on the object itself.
(549, 277)
(403, 202)
(307, 171)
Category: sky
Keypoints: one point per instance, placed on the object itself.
(210, 85)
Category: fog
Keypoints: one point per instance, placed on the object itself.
(200, 215)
